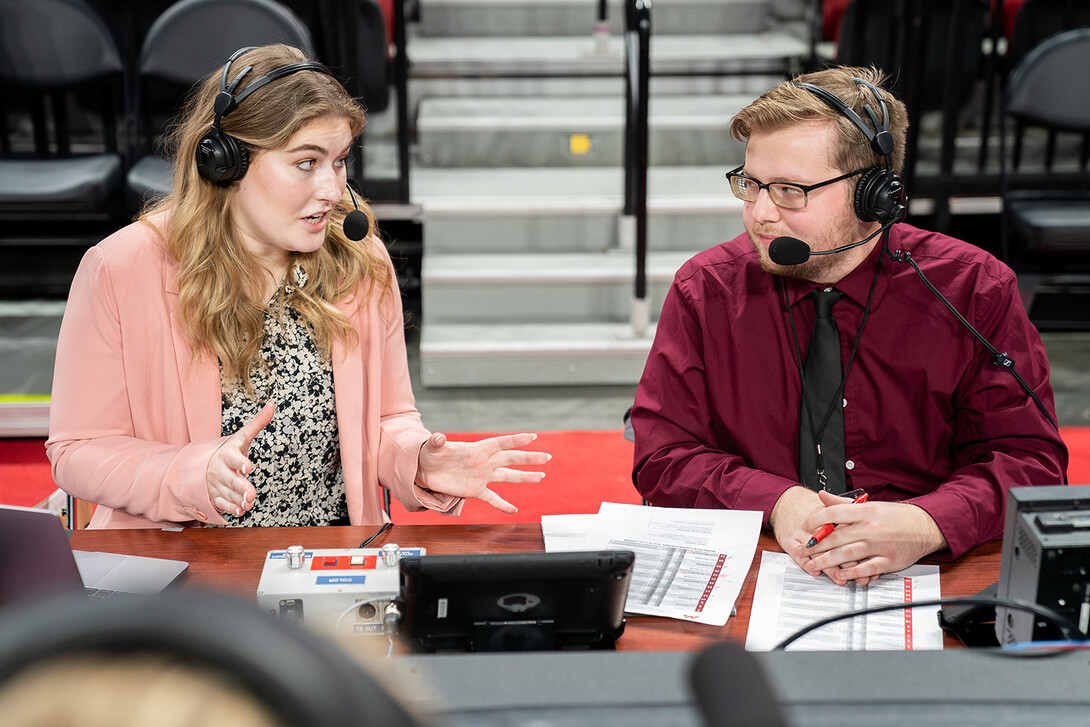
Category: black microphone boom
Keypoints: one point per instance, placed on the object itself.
(355, 225)
(793, 251)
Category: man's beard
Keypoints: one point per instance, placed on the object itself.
(815, 268)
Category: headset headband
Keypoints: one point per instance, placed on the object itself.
(227, 101)
(877, 134)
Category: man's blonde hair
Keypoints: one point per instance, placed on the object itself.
(789, 103)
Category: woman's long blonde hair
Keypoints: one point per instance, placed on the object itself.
(221, 286)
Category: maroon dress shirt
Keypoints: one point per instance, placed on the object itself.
(928, 419)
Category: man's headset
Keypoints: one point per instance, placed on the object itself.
(879, 194)
(221, 158)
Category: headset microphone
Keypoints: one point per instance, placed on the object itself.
(789, 251)
(355, 225)
(793, 251)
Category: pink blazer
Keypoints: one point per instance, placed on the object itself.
(134, 418)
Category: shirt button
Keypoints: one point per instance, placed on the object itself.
(849, 465)
(843, 402)
(201, 515)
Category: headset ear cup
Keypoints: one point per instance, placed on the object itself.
(243, 156)
(221, 158)
(896, 200)
(863, 191)
(880, 196)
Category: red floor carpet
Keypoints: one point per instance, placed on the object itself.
(588, 467)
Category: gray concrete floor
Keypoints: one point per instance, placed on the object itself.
(1069, 357)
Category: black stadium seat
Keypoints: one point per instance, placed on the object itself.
(63, 80)
(63, 103)
(188, 41)
(1049, 224)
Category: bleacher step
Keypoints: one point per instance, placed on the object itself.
(577, 17)
(532, 355)
(612, 86)
(28, 346)
(770, 52)
(540, 288)
(570, 210)
(573, 131)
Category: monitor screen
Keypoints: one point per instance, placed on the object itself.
(514, 601)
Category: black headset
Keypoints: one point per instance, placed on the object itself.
(221, 158)
(299, 675)
(879, 194)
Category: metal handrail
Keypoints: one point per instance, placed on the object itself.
(637, 83)
(601, 27)
(401, 86)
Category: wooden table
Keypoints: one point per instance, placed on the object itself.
(229, 560)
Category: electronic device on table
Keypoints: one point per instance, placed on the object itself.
(514, 601)
(39, 561)
(1046, 560)
(347, 590)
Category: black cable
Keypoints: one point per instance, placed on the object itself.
(1066, 625)
(385, 526)
(998, 359)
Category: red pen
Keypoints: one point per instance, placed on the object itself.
(827, 528)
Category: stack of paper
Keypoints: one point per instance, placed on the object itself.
(788, 599)
(690, 564)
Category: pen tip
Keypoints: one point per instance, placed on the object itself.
(811, 543)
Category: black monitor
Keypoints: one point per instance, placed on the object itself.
(514, 601)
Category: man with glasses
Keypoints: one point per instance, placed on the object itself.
(727, 414)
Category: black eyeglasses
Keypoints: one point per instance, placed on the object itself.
(783, 194)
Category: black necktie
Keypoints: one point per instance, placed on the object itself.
(821, 414)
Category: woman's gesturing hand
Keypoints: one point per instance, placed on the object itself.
(465, 469)
(228, 488)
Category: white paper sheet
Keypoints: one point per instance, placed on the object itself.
(788, 599)
(690, 564)
(566, 533)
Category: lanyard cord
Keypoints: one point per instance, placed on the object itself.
(819, 433)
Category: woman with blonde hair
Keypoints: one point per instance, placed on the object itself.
(234, 357)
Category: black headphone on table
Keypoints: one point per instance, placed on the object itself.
(880, 193)
(221, 158)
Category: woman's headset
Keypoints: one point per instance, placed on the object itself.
(221, 158)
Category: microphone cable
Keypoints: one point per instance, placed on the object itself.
(1066, 625)
(998, 359)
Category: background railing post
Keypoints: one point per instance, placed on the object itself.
(601, 27)
(634, 216)
(401, 84)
